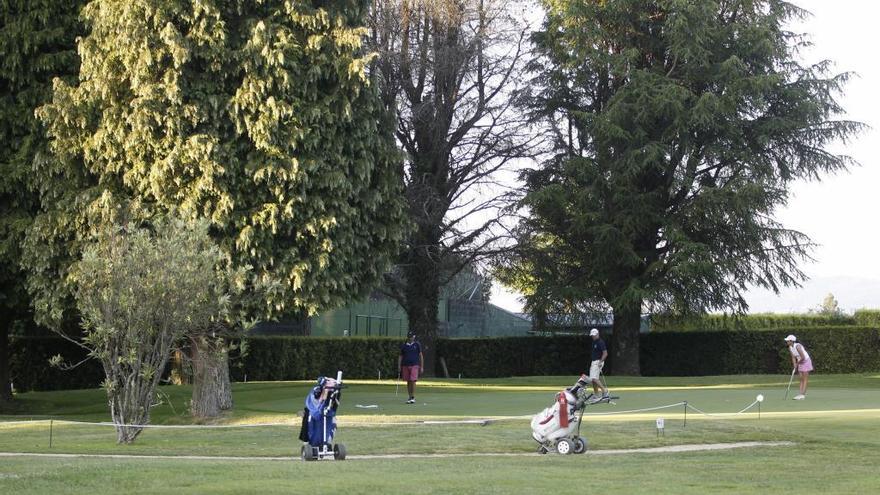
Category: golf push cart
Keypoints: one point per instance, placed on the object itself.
(319, 421)
(558, 427)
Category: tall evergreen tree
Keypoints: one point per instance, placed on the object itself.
(37, 44)
(679, 127)
(255, 115)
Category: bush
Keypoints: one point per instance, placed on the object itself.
(834, 349)
(867, 318)
(760, 321)
(30, 370)
(516, 356)
(304, 358)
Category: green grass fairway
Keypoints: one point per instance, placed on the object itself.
(836, 433)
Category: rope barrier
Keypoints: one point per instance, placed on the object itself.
(480, 421)
(704, 413)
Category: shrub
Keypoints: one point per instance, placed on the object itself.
(30, 370)
(304, 358)
(867, 318)
(834, 349)
(759, 321)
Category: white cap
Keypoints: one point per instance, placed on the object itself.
(594, 332)
(791, 338)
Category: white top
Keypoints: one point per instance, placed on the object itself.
(794, 352)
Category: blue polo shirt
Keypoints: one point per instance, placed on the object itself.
(410, 353)
(598, 348)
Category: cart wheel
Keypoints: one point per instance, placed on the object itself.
(306, 453)
(564, 446)
(542, 450)
(580, 445)
(339, 452)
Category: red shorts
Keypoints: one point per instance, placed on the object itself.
(410, 373)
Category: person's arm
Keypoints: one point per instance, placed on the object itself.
(421, 361)
(604, 355)
(400, 360)
(800, 350)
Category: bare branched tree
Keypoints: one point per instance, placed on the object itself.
(448, 70)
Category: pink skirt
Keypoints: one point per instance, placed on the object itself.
(805, 366)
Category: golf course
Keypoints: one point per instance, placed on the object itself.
(463, 436)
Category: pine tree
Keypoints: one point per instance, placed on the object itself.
(37, 44)
(254, 115)
(679, 128)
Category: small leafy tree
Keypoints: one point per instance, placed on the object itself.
(829, 307)
(139, 292)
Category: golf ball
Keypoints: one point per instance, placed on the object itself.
(760, 398)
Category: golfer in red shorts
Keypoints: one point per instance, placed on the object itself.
(411, 364)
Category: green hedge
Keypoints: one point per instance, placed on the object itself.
(303, 358)
(516, 356)
(867, 317)
(759, 321)
(835, 349)
(842, 349)
(30, 370)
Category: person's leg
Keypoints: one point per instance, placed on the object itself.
(805, 378)
(411, 388)
(594, 376)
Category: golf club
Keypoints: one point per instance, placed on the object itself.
(604, 385)
(789, 383)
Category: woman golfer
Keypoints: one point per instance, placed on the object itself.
(800, 359)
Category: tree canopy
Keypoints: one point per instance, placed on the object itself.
(37, 44)
(254, 115)
(679, 127)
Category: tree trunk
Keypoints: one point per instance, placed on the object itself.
(212, 391)
(130, 404)
(225, 397)
(625, 339)
(422, 299)
(5, 383)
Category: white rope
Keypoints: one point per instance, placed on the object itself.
(722, 414)
(110, 423)
(636, 410)
(480, 421)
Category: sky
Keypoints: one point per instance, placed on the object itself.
(840, 213)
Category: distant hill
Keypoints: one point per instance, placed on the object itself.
(851, 293)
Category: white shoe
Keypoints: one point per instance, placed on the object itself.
(800, 397)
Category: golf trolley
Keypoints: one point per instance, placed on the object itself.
(319, 421)
(558, 427)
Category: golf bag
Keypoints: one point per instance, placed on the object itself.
(558, 427)
(319, 421)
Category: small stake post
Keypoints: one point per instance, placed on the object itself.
(50, 433)
(759, 410)
(685, 414)
(661, 431)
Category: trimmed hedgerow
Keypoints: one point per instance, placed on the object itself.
(29, 366)
(867, 317)
(759, 321)
(834, 349)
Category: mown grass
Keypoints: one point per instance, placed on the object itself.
(834, 430)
